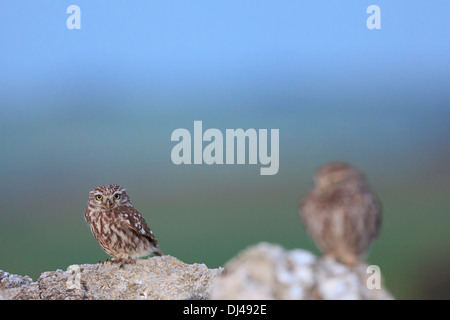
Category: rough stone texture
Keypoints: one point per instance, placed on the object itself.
(267, 271)
(155, 278)
(264, 271)
(11, 285)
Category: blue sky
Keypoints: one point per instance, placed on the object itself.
(206, 48)
(298, 66)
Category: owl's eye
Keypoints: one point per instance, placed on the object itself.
(117, 196)
(99, 197)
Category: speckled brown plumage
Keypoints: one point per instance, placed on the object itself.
(341, 214)
(117, 226)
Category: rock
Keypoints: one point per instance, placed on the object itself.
(267, 271)
(9, 281)
(155, 278)
(12, 285)
(263, 271)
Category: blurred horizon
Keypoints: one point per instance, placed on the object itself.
(82, 108)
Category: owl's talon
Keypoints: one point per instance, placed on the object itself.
(103, 262)
(122, 263)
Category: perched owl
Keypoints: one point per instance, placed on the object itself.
(341, 213)
(117, 226)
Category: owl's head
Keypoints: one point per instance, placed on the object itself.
(335, 174)
(109, 197)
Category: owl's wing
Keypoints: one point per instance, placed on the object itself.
(136, 223)
(311, 215)
(377, 212)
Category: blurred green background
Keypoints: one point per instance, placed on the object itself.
(95, 106)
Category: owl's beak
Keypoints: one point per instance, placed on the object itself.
(108, 203)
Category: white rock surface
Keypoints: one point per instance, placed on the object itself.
(268, 271)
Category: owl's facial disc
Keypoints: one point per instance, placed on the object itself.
(106, 201)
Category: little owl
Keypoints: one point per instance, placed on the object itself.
(117, 226)
(341, 213)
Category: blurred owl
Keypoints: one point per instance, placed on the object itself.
(117, 226)
(341, 213)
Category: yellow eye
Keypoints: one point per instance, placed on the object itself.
(117, 196)
(99, 197)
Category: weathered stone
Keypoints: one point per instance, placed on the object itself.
(155, 278)
(267, 271)
(263, 271)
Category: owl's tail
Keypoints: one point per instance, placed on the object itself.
(157, 252)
